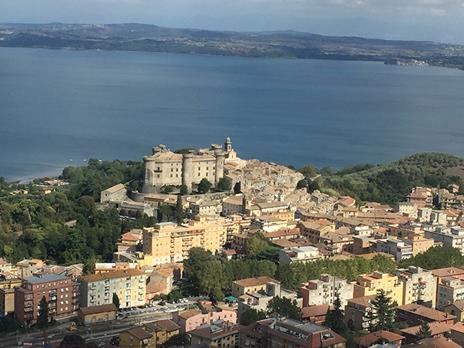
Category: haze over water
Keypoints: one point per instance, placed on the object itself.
(60, 107)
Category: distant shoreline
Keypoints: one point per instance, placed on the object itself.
(290, 45)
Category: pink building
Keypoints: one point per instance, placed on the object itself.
(208, 313)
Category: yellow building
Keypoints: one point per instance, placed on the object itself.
(370, 284)
(99, 289)
(169, 243)
(136, 337)
(250, 285)
(162, 330)
(97, 314)
(7, 291)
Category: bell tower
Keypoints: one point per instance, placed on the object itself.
(227, 145)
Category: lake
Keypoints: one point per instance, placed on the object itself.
(61, 107)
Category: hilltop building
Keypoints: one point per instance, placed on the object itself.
(167, 168)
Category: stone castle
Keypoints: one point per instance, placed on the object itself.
(167, 168)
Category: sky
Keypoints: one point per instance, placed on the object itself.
(434, 20)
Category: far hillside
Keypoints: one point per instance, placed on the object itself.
(390, 183)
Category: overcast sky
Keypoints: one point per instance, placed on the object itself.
(437, 20)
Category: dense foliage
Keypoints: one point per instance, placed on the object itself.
(436, 257)
(390, 183)
(207, 274)
(293, 275)
(34, 224)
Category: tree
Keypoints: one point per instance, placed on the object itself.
(204, 186)
(251, 316)
(167, 189)
(381, 315)
(179, 212)
(335, 318)
(184, 190)
(42, 319)
(284, 307)
(89, 265)
(424, 331)
(255, 245)
(116, 300)
(224, 184)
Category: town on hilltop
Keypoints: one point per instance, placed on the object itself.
(201, 248)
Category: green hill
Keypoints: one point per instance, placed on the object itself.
(390, 183)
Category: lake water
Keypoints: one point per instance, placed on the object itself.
(60, 107)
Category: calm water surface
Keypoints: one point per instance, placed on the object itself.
(61, 107)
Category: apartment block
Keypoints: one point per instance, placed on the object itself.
(324, 291)
(128, 285)
(370, 284)
(169, 243)
(449, 291)
(289, 333)
(61, 293)
(419, 286)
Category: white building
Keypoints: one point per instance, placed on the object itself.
(452, 237)
(299, 254)
(408, 209)
(449, 291)
(325, 290)
(419, 286)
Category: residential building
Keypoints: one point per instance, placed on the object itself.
(289, 333)
(379, 337)
(136, 337)
(219, 334)
(315, 314)
(408, 209)
(424, 214)
(162, 330)
(437, 329)
(451, 237)
(456, 309)
(61, 293)
(355, 312)
(299, 254)
(400, 249)
(207, 313)
(233, 205)
(97, 314)
(419, 286)
(114, 194)
(415, 314)
(314, 230)
(449, 291)
(205, 207)
(169, 243)
(99, 289)
(250, 285)
(259, 300)
(324, 291)
(370, 284)
(438, 217)
(268, 223)
(7, 295)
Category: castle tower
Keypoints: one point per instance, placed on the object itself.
(187, 170)
(220, 159)
(149, 177)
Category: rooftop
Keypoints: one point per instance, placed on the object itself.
(425, 312)
(255, 281)
(111, 275)
(45, 278)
